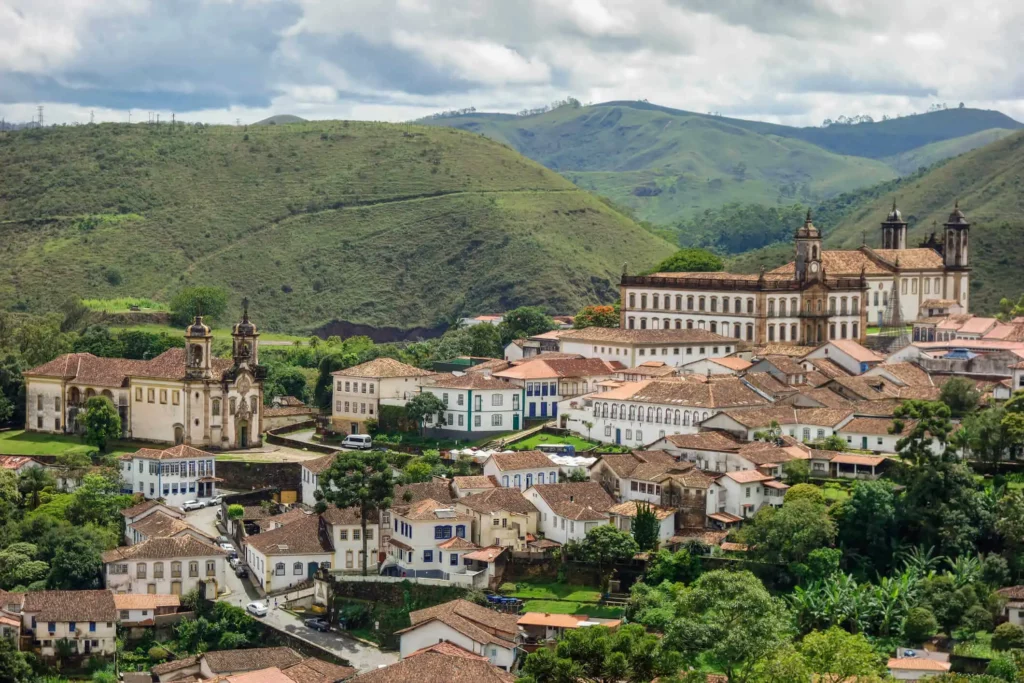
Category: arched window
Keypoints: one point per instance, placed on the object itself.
(701, 325)
(700, 303)
(193, 569)
(750, 332)
(782, 308)
(855, 303)
(657, 415)
(233, 403)
(686, 418)
(529, 480)
(842, 330)
(689, 303)
(771, 308)
(832, 331)
(622, 414)
(750, 306)
(738, 305)
(643, 301)
(689, 324)
(679, 323)
(725, 304)
(679, 302)
(632, 413)
(540, 478)
(842, 305)
(793, 334)
(297, 569)
(654, 324)
(704, 416)
(782, 333)
(714, 304)
(666, 325)
(794, 305)
(831, 305)
(814, 253)
(279, 569)
(654, 301)
(632, 300)
(504, 480)
(604, 410)
(632, 322)
(517, 481)
(714, 327)
(643, 323)
(615, 412)
(216, 407)
(771, 333)
(460, 529)
(854, 334)
(676, 419)
(736, 331)
(876, 298)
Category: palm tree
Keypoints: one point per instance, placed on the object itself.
(34, 480)
(964, 570)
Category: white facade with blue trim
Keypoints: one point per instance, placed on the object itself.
(428, 540)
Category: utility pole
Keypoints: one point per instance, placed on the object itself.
(40, 110)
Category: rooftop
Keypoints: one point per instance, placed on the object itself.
(429, 509)
(646, 337)
(160, 548)
(481, 624)
(147, 601)
(629, 509)
(381, 368)
(474, 381)
(430, 666)
(498, 499)
(576, 500)
(520, 460)
(303, 537)
(87, 605)
(237, 661)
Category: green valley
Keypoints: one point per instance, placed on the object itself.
(370, 223)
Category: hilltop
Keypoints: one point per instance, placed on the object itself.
(370, 223)
(278, 119)
(988, 183)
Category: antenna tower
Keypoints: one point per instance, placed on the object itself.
(40, 110)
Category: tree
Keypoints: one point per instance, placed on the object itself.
(589, 425)
(919, 626)
(729, 621)
(73, 465)
(645, 527)
(10, 496)
(18, 566)
(805, 492)
(236, 511)
(284, 380)
(836, 655)
(524, 321)
(922, 424)
(1008, 637)
(596, 316)
(13, 667)
(599, 655)
(789, 534)
(796, 471)
(416, 471)
(578, 475)
(76, 565)
(102, 422)
(665, 565)
(867, 523)
(423, 404)
(360, 480)
(97, 500)
(833, 442)
(690, 260)
(960, 395)
(209, 302)
(604, 546)
(34, 480)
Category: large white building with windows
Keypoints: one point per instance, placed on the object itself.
(428, 540)
(175, 475)
(360, 391)
(183, 396)
(477, 405)
(822, 295)
(633, 347)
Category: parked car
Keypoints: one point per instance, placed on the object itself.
(234, 562)
(216, 500)
(318, 624)
(231, 550)
(192, 505)
(241, 572)
(221, 540)
(257, 609)
(363, 442)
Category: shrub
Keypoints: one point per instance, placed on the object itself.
(158, 653)
(1008, 637)
(919, 626)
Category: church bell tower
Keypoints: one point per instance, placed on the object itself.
(244, 336)
(958, 231)
(894, 230)
(808, 252)
(198, 350)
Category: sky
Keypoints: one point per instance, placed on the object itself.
(796, 62)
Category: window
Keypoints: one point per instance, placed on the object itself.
(71, 626)
(158, 570)
(193, 569)
(216, 407)
(176, 570)
(138, 394)
(497, 399)
(807, 434)
(632, 300)
(750, 305)
(232, 405)
(355, 534)
(654, 301)
(460, 399)
(211, 568)
(279, 569)
(478, 402)
(700, 303)
(477, 421)
(460, 530)
(428, 555)
(140, 570)
(461, 416)
(297, 569)
(175, 397)
(913, 286)
(515, 398)
(689, 303)
(151, 396)
(453, 559)
(163, 396)
(496, 420)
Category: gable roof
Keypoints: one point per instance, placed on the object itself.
(89, 605)
(520, 460)
(173, 453)
(545, 367)
(436, 489)
(349, 516)
(382, 368)
(159, 524)
(713, 440)
(698, 391)
(628, 509)
(252, 659)
(474, 482)
(302, 537)
(692, 479)
(754, 418)
(429, 666)
(313, 670)
(144, 601)
(471, 620)
(142, 507)
(576, 500)
(85, 368)
(627, 336)
(492, 500)
(161, 548)
(747, 476)
(645, 465)
(293, 515)
(470, 381)
(853, 349)
(731, 362)
(428, 509)
(875, 425)
(909, 373)
(319, 465)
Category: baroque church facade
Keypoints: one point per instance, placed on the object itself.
(183, 396)
(821, 296)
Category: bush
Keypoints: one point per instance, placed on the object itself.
(1002, 667)
(919, 626)
(158, 653)
(1008, 637)
(805, 492)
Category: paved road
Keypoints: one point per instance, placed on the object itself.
(241, 592)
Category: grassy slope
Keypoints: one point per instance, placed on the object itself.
(989, 183)
(373, 223)
(691, 158)
(908, 162)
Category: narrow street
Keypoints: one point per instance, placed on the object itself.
(241, 592)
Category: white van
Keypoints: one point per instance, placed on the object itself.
(358, 441)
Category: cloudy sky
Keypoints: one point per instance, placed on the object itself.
(790, 61)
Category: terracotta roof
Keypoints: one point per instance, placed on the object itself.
(349, 516)
(313, 670)
(778, 485)
(293, 515)
(649, 369)
(174, 665)
(713, 440)
(538, 368)
(874, 425)
(471, 381)
(520, 460)
(722, 391)
(706, 536)
(747, 476)
(495, 499)
(551, 620)
(382, 368)
(646, 337)
(1012, 592)
(576, 500)
(732, 362)
(161, 525)
(643, 465)
(754, 418)
(855, 459)
(474, 482)
(270, 674)
(253, 512)
(725, 517)
(437, 667)
(89, 605)
(911, 259)
(448, 648)
(917, 664)
(783, 350)
(437, 490)
(856, 351)
(428, 509)
(544, 543)
(769, 384)
(144, 601)
(319, 465)
(304, 537)
(488, 554)
(181, 452)
(142, 507)
(693, 479)
(827, 367)
(457, 543)
(977, 325)
(13, 462)
(826, 397)
(760, 453)
(286, 411)
(253, 659)
(784, 364)
(492, 365)
(160, 548)
(716, 275)
(471, 620)
(398, 544)
(628, 509)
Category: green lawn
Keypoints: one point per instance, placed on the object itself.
(564, 607)
(551, 591)
(835, 495)
(537, 439)
(124, 304)
(19, 442)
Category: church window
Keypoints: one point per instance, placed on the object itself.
(256, 406)
(793, 332)
(175, 397)
(842, 305)
(814, 253)
(700, 303)
(794, 305)
(819, 305)
(233, 406)
(667, 324)
(151, 396)
(736, 330)
(138, 394)
(725, 304)
(750, 332)
(632, 300)
(876, 298)
(216, 407)
(771, 308)
(679, 324)
(714, 304)
(643, 301)
(832, 331)
(714, 327)
(689, 303)
(750, 305)
(771, 333)
(701, 325)
(913, 286)
(832, 305)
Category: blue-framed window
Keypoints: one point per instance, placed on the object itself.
(504, 480)
(516, 478)
(460, 530)
(442, 532)
(454, 560)
(92, 627)
(554, 388)
(71, 626)
(529, 388)
(428, 555)
(544, 389)
(540, 478)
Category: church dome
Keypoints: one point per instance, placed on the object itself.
(807, 229)
(244, 328)
(957, 217)
(894, 216)
(198, 328)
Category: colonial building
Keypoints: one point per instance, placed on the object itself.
(477, 405)
(183, 396)
(822, 295)
(177, 474)
(165, 566)
(360, 391)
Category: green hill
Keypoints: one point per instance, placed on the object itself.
(278, 119)
(667, 164)
(370, 223)
(990, 187)
(908, 162)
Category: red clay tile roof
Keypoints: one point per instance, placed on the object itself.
(537, 368)
(429, 509)
(917, 664)
(628, 509)
(646, 337)
(313, 670)
(471, 620)
(304, 537)
(722, 391)
(434, 489)
(693, 479)
(747, 476)
(349, 516)
(88, 605)
(286, 411)
(448, 648)
(520, 460)
(856, 351)
(161, 525)
(174, 665)
(144, 601)
(645, 465)
(382, 368)
(161, 548)
(492, 500)
(470, 381)
(576, 500)
(319, 465)
(13, 462)
(293, 515)
(488, 554)
(474, 482)
(253, 659)
(874, 425)
(435, 667)
(181, 452)
(457, 543)
(140, 508)
(732, 362)
(713, 440)
(754, 418)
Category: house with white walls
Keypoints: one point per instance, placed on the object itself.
(86, 618)
(282, 557)
(521, 469)
(173, 475)
(547, 381)
(347, 537)
(501, 517)
(631, 347)
(568, 511)
(428, 540)
(744, 492)
(472, 484)
(165, 566)
(623, 515)
(310, 475)
(141, 609)
(847, 354)
(803, 424)
(635, 475)
(716, 451)
(360, 391)
(476, 629)
(477, 405)
(873, 433)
